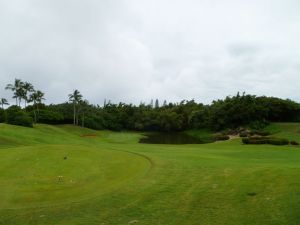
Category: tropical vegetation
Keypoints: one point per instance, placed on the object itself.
(234, 111)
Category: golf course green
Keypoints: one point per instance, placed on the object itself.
(67, 175)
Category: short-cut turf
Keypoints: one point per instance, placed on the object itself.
(66, 175)
(59, 174)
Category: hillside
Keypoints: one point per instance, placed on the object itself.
(70, 175)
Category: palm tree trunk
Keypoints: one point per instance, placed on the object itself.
(74, 113)
(82, 119)
(77, 115)
(38, 111)
(34, 115)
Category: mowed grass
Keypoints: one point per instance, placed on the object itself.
(43, 175)
(109, 178)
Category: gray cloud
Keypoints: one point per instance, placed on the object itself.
(135, 50)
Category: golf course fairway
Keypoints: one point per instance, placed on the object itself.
(43, 175)
(67, 175)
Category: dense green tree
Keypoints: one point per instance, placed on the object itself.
(231, 112)
(17, 116)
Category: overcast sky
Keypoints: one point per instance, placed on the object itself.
(135, 50)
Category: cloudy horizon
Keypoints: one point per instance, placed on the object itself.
(137, 50)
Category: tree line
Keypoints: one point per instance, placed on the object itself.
(231, 112)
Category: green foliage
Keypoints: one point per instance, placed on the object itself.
(244, 134)
(94, 123)
(66, 109)
(278, 141)
(258, 125)
(16, 116)
(221, 137)
(2, 116)
(294, 142)
(231, 113)
(259, 132)
(49, 117)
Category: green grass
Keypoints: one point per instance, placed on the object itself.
(289, 131)
(109, 178)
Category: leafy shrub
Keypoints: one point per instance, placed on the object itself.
(246, 141)
(16, 116)
(49, 117)
(138, 126)
(2, 116)
(294, 143)
(260, 132)
(244, 134)
(278, 141)
(221, 137)
(254, 140)
(265, 140)
(230, 132)
(258, 125)
(93, 123)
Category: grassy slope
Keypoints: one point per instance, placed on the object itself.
(289, 131)
(219, 183)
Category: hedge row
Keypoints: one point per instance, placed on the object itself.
(254, 132)
(221, 137)
(265, 140)
(16, 116)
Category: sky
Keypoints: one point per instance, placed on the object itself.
(137, 50)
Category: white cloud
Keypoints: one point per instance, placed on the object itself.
(135, 50)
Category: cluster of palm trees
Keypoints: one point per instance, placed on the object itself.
(79, 105)
(25, 91)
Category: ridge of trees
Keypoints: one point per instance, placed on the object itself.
(231, 112)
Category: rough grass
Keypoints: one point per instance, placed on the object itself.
(115, 180)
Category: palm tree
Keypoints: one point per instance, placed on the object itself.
(17, 89)
(83, 106)
(3, 102)
(75, 97)
(40, 98)
(27, 88)
(36, 97)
